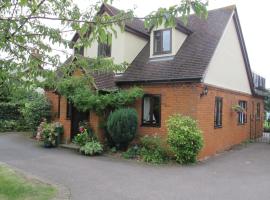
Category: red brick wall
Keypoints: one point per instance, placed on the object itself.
(185, 99)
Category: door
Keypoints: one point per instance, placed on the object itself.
(76, 118)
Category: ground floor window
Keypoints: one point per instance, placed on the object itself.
(258, 113)
(242, 116)
(218, 112)
(151, 110)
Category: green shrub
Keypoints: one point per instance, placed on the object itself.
(153, 150)
(266, 126)
(9, 111)
(35, 109)
(49, 135)
(92, 148)
(82, 138)
(122, 126)
(184, 138)
(132, 152)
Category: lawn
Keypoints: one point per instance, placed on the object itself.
(14, 186)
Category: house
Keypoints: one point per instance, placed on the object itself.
(201, 70)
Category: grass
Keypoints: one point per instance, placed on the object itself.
(14, 186)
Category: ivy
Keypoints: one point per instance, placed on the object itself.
(80, 92)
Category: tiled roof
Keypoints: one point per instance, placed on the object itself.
(103, 80)
(192, 59)
(135, 24)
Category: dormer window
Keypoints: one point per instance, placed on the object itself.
(162, 41)
(104, 49)
(79, 51)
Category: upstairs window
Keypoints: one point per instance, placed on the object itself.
(151, 110)
(242, 116)
(162, 41)
(218, 112)
(104, 49)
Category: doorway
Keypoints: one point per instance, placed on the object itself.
(76, 118)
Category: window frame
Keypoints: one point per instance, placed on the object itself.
(258, 111)
(102, 45)
(217, 98)
(161, 35)
(79, 51)
(157, 125)
(244, 115)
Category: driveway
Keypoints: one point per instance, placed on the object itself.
(239, 174)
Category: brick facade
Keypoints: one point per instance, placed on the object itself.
(186, 99)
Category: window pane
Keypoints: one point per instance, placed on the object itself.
(146, 109)
(218, 112)
(151, 110)
(166, 40)
(157, 41)
(156, 110)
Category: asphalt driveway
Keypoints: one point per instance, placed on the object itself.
(239, 174)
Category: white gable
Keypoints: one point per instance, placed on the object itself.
(227, 67)
(124, 48)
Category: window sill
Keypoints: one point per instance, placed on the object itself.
(240, 124)
(151, 125)
(218, 127)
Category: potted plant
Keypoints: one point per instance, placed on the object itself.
(238, 109)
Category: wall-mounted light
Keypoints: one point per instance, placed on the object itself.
(204, 92)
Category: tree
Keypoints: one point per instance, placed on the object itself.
(25, 28)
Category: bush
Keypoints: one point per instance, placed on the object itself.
(82, 138)
(153, 150)
(48, 132)
(122, 126)
(266, 126)
(37, 108)
(184, 138)
(92, 148)
(132, 152)
(9, 111)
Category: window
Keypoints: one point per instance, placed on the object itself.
(162, 41)
(69, 109)
(104, 49)
(258, 113)
(218, 112)
(79, 51)
(242, 116)
(151, 110)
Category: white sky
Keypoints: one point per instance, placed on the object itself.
(254, 16)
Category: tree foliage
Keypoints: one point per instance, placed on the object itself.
(40, 24)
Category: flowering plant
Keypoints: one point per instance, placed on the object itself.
(48, 132)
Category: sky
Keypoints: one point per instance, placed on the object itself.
(253, 15)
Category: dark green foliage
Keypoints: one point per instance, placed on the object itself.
(132, 152)
(153, 150)
(9, 111)
(35, 109)
(266, 126)
(184, 138)
(122, 126)
(10, 117)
